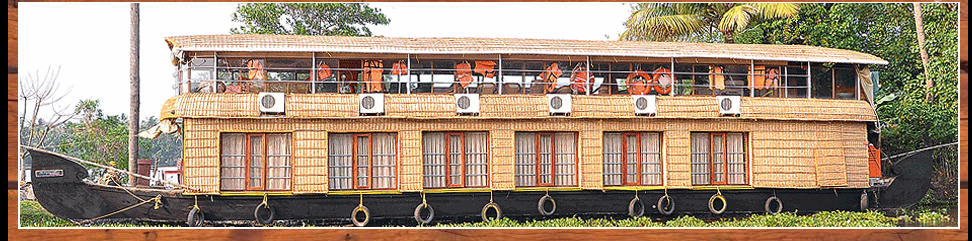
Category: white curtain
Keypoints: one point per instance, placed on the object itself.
(363, 161)
(455, 159)
(384, 156)
(232, 169)
(700, 158)
(339, 161)
(631, 158)
(566, 159)
(651, 167)
(256, 161)
(718, 159)
(736, 158)
(525, 147)
(278, 161)
(477, 165)
(433, 160)
(612, 159)
(544, 160)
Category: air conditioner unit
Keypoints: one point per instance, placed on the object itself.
(271, 102)
(371, 103)
(558, 103)
(728, 105)
(644, 104)
(467, 104)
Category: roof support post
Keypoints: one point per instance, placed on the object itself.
(809, 81)
(674, 81)
(408, 80)
(752, 78)
(313, 72)
(499, 79)
(587, 85)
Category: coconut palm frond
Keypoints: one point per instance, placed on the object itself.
(661, 27)
(776, 10)
(737, 17)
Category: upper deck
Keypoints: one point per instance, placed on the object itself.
(322, 76)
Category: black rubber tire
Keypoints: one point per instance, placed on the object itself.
(631, 208)
(499, 212)
(712, 204)
(543, 200)
(256, 214)
(354, 216)
(769, 201)
(418, 214)
(195, 218)
(865, 204)
(661, 208)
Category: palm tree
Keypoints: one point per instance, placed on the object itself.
(699, 21)
(920, 29)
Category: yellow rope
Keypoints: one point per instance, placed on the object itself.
(424, 204)
(119, 211)
(360, 200)
(490, 196)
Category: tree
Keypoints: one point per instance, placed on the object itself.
(699, 21)
(96, 137)
(342, 19)
(39, 91)
(920, 30)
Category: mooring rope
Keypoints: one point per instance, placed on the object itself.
(156, 198)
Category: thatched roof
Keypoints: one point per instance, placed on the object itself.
(336, 44)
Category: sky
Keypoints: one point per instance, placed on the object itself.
(89, 42)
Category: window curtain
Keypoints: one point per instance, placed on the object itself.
(718, 159)
(363, 161)
(477, 165)
(566, 159)
(384, 155)
(232, 168)
(256, 161)
(736, 158)
(339, 161)
(455, 159)
(651, 167)
(278, 161)
(612, 159)
(433, 160)
(864, 74)
(525, 148)
(544, 161)
(700, 158)
(631, 158)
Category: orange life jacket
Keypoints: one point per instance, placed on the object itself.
(256, 71)
(550, 75)
(486, 68)
(716, 79)
(757, 77)
(400, 68)
(637, 82)
(464, 74)
(579, 79)
(663, 78)
(323, 72)
(371, 74)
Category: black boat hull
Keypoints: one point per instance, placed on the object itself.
(70, 198)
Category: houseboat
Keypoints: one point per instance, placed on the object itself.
(279, 127)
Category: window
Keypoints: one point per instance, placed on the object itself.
(822, 82)
(255, 161)
(455, 159)
(362, 161)
(632, 159)
(718, 158)
(546, 159)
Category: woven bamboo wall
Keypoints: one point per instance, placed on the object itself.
(501, 158)
(521, 106)
(783, 154)
(410, 160)
(310, 161)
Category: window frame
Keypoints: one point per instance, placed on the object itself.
(725, 159)
(247, 161)
(639, 155)
(355, 185)
(464, 164)
(553, 159)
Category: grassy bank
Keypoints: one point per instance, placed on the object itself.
(33, 215)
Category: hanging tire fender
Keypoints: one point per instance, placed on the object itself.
(633, 211)
(499, 212)
(543, 200)
(770, 201)
(256, 214)
(195, 218)
(354, 216)
(418, 213)
(661, 205)
(712, 203)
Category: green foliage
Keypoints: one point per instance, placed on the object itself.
(821, 219)
(164, 149)
(342, 19)
(97, 137)
(707, 22)
(887, 30)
